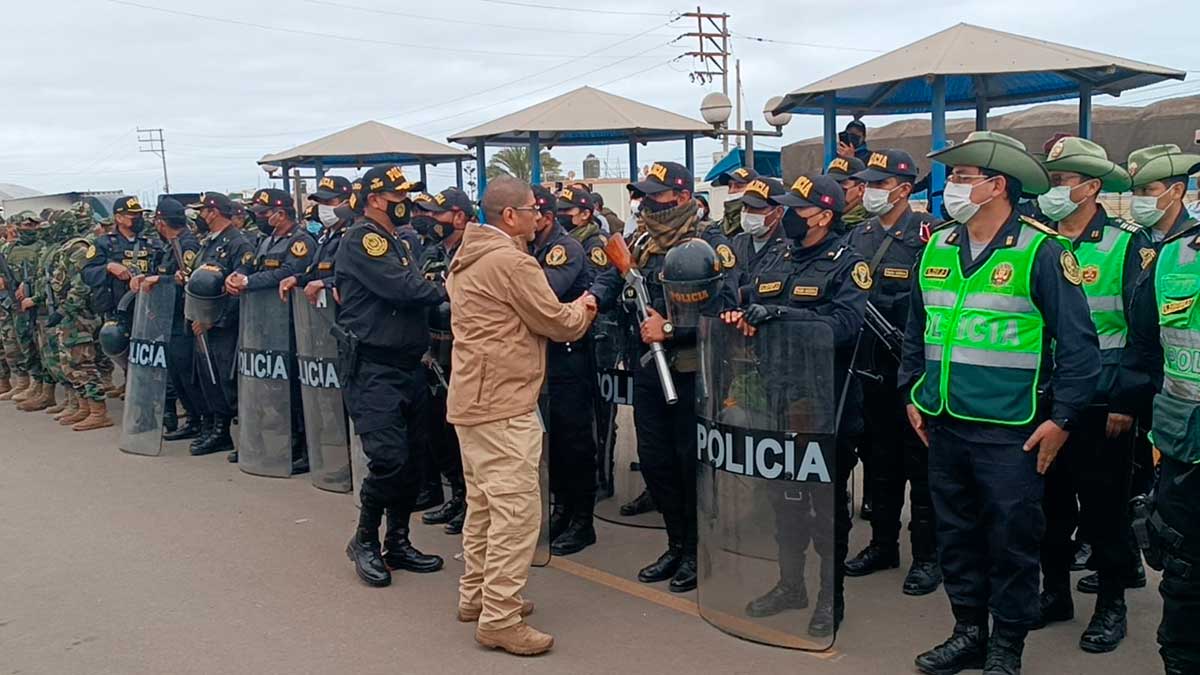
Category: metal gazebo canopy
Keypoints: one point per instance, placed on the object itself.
(966, 67)
(366, 144)
(585, 116)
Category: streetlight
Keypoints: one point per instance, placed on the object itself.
(716, 108)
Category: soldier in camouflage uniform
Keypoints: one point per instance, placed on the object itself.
(78, 349)
(42, 301)
(22, 260)
(8, 308)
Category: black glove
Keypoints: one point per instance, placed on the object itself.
(53, 319)
(756, 315)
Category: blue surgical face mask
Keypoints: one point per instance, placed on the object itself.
(313, 227)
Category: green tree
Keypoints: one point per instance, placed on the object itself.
(515, 162)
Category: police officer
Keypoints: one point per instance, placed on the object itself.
(331, 197)
(892, 241)
(844, 170)
(735, 180)
(1159, 363)
(177, 254)
(666, 433)
(284, 251)
(576, 215)
(443, 218)
(995, 290)
(385, 333)
(243, 220)
(823, 280)
(223, 249)
(762, 245)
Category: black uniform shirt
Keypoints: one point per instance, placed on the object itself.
(775, 253)
(278, 258)
(1070, 374)
(562, 259)
(893, 275)
(593, 242)
(134, 254)
(322, 264)
(165, 266)
(384, 296)
(227, 250)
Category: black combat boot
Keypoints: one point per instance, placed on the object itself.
(455, 524)
(399, 553)
(170, 417)
(1056, 605)
(786, 595)
(191, 429)
(1004, 652)
(299, 455)
(1107, 627)
(1136, 578)
(874, 558)
(1083, 551)
(643, 503)
(560, 520)
(218, 440)
(923, 577)
(363, 549)
(685, 577)
(966, 649)
(580, 534)
(664, 568)
(431, 494)
(449, 510)
(206, 429)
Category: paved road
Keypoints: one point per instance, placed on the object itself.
(111, 563)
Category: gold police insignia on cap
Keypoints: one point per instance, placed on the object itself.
(264, 198)
(1070, 267)
(598, 257)
(299, 249)
(1133, 168)
(728, 259)
(557, 256)
(861, 276)
(1002, 274)
(1148, 255)
(374, 244)
(1056, 151)
(91, 252)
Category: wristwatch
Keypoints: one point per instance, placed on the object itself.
(668, 328)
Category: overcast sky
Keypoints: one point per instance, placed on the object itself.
(232, 80)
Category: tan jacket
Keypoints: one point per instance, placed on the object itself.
(501, 313)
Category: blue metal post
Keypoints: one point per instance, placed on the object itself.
(1085, 110)
(633, 161)
(830, 128)
(937, 175)
(458, 173)
(535, 158)
(689, 153)
(424, 173)
(320, 169)
(481, 174)
(287, 183)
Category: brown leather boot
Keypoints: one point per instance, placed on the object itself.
(70, 409)
(80, 414)
(5, 385)
(58, 406)
(37, 401)
(520, 639)
(97, 417)
(23, 394)
(115, 392)
(19, 383)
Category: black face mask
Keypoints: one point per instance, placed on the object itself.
(264, 225)
(137, 225)
(399, 213)
(651, 206)
(423, 224)
(795, 226)
(565, 220)
(438, 232)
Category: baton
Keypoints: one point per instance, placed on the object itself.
(622, 260)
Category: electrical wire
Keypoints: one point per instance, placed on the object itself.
(586, 10)
(811, 45)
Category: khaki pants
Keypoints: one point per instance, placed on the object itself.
(504, 515)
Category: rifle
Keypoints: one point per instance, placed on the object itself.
(891, 336)
(201, 339)
(8, 302)
(622, 260)
(53, 317)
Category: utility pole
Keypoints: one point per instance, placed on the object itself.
(712, 34)
(737, 66)
(151, 140)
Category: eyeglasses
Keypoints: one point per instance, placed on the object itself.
(964, 178)
(533, 208)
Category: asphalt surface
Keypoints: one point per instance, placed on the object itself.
(112, 563)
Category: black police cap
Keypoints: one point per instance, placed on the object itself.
(842, 168)
(888, 164)
(450, 199)
(663, 176)
(742, 174)
(545, 199)
(271, 198)
(388, 178)
(760, 190)
(332, 187)
(127, 205)
(571, 198)
(816, 190)
(170, 210)
(214, 200)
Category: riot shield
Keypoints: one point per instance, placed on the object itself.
(541, 554)
(321, 392)
(766, 415)
(621, 481)
(146, 374)
(264, 396)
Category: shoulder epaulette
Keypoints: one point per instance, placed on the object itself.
(1039, 226)
(1189, 228)
(1132, 228)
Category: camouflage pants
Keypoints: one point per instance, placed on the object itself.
(10, 347)
(79, 363)
(26, 337)
(48, 347)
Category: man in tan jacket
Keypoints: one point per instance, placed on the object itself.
(502, 313)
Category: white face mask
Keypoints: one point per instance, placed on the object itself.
(755, 224)
(1144, 210)
(325, 213)
(957, 197)
(875, 200)
(1057, 204)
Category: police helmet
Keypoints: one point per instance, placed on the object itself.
(205, 295)
(114, 338)
(691, 275)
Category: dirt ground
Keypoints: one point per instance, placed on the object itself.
(112, 563)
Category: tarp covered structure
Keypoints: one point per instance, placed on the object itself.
(766, 163)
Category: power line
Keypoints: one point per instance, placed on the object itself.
(812, 45)
(331, 36)
(585, 10)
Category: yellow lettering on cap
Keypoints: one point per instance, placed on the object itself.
(395, 174)
(264, 197)
(659, 171)
(568, 194)
(327, 183)
(878, 159)
(439, 198)
(759, 188)
(840, 165)
(803, 185)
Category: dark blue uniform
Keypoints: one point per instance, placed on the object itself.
(891, 452)
(323, 258)
(774, 253)
(133, 254)
(181, 347)
(986, 491)
(227, 250)
(384, 304)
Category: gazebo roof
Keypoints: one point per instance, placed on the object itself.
(585, 116)
(366, 144)
(1007, 69)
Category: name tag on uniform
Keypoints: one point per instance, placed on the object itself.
(895, 272)
(937, 272)
(325, 266)
(770, 288)
(1177, 306)
(805, 292)
(271, 264)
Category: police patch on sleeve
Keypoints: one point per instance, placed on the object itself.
(91, 252)
(374, 244)
(299, 249)
(1070, 267)
(557, 256)
(247, 257)
(861, 275)
(598, 257)
(189, 257)
(728, 259)
(1148, 255)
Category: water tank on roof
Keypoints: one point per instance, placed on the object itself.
(591, 167)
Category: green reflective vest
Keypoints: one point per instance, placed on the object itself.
(1103, 267)
(1176, 426)
(983, 334)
